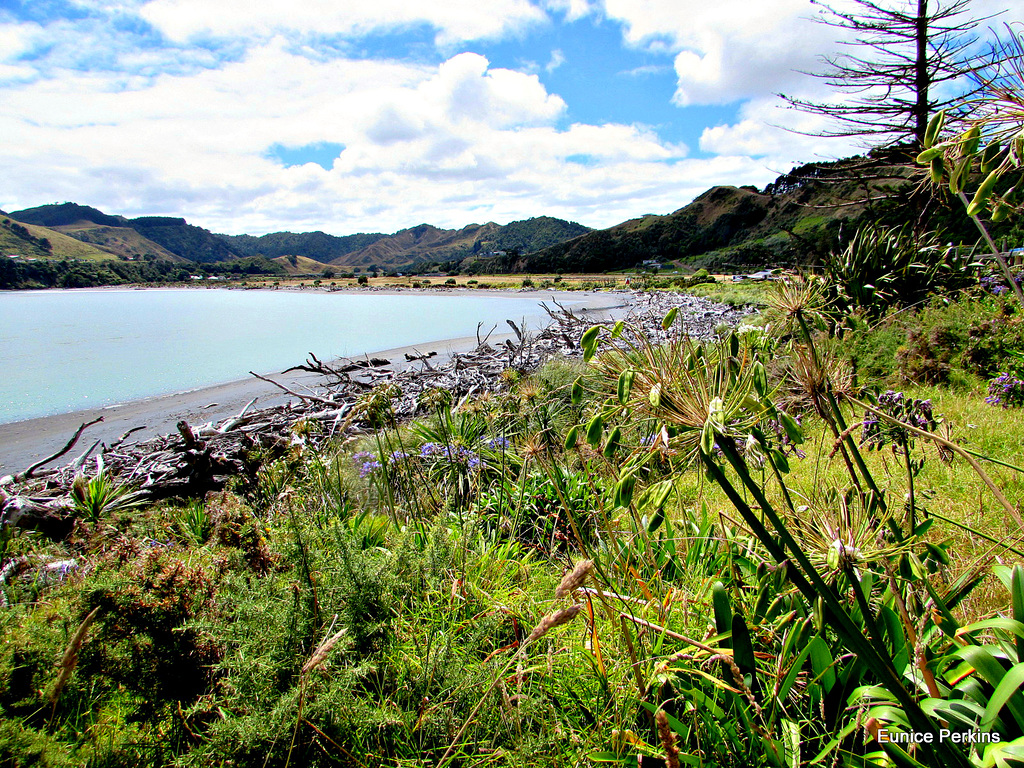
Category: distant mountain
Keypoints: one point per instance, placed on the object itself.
(64, 214)
(420, 243)
(32, 241)
(415, 245)
(300, 265)
(793, 220)
(796, 219)
(184, 239)
(318, 246)
(535, 234)
(149, 237)
(426, 243)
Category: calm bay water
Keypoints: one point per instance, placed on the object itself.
(62, 351)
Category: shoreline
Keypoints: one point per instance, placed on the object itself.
(24, 442)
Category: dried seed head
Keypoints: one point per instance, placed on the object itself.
(668, 740)
(70, 658)
(552, 620)
(320, 654)
(575, 578)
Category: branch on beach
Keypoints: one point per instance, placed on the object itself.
(314, 365)
(303, 398)
(198, 459)
(21, 476)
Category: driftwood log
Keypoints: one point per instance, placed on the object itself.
(200, 458)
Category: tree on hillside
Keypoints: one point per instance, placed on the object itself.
(902, 62)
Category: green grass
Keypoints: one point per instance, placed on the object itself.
(734, 294)
(209, 647)
(64, 247)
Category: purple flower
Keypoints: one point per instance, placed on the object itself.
(430, 449)
(397, 456)
(498, 444)
(1005, 390)
(369, 467)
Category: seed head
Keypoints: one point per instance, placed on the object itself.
(552, 620)
(575, 579)
(668, 740)
(320, 654)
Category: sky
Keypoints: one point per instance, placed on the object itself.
(375, 115)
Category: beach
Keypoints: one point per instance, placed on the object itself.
(23, 443)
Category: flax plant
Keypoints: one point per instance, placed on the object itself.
(713, 406)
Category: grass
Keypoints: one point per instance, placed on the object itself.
(735, 294)
(63, 246)
(376, 610)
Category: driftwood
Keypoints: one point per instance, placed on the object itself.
(200, 458)
(21, 476)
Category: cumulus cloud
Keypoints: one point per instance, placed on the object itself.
(454, 20)
(440, 143)
(778, 135)
(731, 49)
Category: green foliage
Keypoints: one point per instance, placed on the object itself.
(99, 496)
(943, 342)
(747, 606)
(883, 267)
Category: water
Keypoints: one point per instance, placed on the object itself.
(62, 351)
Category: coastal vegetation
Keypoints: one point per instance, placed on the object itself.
(793, 541)
(738, 549)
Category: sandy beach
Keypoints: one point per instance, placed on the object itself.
(24, 442)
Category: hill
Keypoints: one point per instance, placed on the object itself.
(300, 265)
(793, 220)
(426, 243)
(123, 242)
(420, 243)
(36, 242)
(152, 237)
(63, 214)
(184, 239)
(318, 246)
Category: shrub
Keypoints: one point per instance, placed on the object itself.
(1006, 390)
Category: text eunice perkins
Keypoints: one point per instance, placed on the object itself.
(944, 735)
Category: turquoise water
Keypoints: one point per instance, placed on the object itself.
(62, 351)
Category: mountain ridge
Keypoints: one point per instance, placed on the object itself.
(796, 218)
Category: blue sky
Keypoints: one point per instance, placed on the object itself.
(348, 117)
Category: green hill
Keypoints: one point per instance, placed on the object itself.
(300, 265)
(184, 239)
(119, 241)
(793, 220)
(420, 243)
(155, 237)
(63, 214)
(318, 246)
(31, 241)
(426, 243)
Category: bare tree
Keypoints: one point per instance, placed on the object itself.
(903, 61)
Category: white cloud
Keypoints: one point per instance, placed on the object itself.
(730, 49)
(557, 59)
(454, 20)
(777, 134)
(572, 9)
(444, 144)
